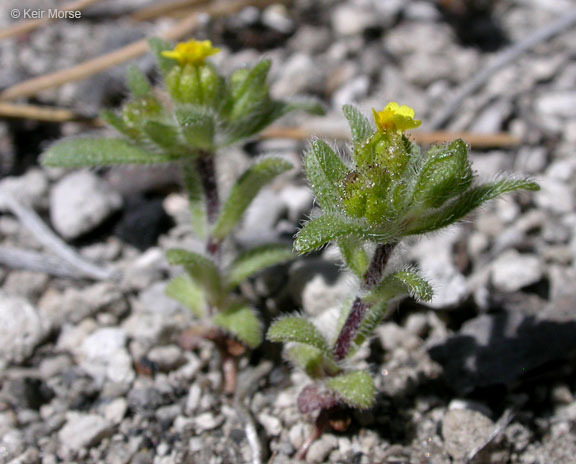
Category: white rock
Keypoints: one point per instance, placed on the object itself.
(30, 189)
(557, 103)
(193, 399)
(298, 200)
(554, 195)
(83, 430)
(272, 424)
(103, 355)
(166, 357)
(352, 20)
(512, 271)
(321, 448)
(207, 421)
(21, 328)
(115, 410)
(79, 202)
(464, 430)
(299, 73)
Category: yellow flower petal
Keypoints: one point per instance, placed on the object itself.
(191, 52)
(395, 118)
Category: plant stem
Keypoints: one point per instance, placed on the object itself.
(359, 308)
(207, 170)
(379, 261)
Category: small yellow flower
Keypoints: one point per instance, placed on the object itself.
(396, 118)
(191, 52)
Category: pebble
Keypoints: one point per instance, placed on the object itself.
(166, 357)
(350, 20)
(79, 202)
(557, 103)
(464, 430)
(512, 271)
(321, 448)
(83, 431)
(30, 189)
(207, 421)
(21, 328)
(271, 424)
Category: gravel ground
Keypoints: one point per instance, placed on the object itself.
(93, 372)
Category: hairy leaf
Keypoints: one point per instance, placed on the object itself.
(354, 255)
(462, 205)
(165, 136)
(244, 191)
(311, 360)
(359, 125)
(157, 46)
(331, 226)
(197, 126)
(201, 269)
(445, 173)
(252, 261)
(251, 91)
(77, 152)
(297, 329)
(325, 172)
(399, 283)
(186, 292)
(243, 323)
(138, 83)
(355, 388)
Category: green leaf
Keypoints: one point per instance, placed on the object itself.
(244, 191)
(359, 125)
(196, 200)
(138, 83)
(197, 126)
(331, 226)
(355, 388)
(77, 152)
(243, 323)
(354, 254)
(186, 292)
(250, 93)
(252, 261)
(201, 269)
(297, 329)
(462, 205)
(399, 283)
(164, 135)
(157, 46)
(312, 361)
(325, 172)
(446, 173)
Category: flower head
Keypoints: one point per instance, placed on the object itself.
(395, 118)
(191, 52)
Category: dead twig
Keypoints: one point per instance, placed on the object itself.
(246, 386)
(30, 25)
(39, 113)
(28, 260)
(133, 50)
(28, 217)
(477, 140)
(505, 58)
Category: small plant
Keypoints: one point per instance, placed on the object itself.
(385, 191)
(199, 113)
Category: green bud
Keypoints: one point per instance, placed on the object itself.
(199, 84)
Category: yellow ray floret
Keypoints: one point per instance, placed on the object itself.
(191, 52)
(395, 118)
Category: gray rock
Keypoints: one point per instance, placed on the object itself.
(321, 448)
(207, 421)
(79, 202)
(492, 118)
(115, 410)
(299, 75)
(26, 284)
(83, 431)
(512, 271)
(166, 357)
(21, 328)
(464, 430)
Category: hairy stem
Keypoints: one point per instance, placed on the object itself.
(379, 261)
(207, 170)
(359, 308)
